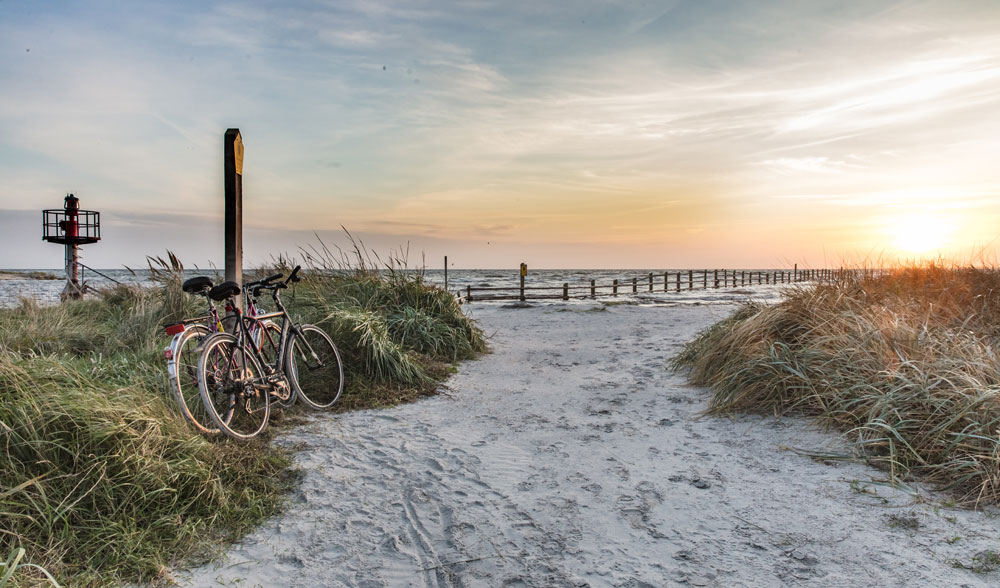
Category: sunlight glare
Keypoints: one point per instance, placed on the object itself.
(918, 233)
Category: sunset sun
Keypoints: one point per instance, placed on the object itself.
(918, 233)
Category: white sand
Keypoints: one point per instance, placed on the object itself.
(571, 457)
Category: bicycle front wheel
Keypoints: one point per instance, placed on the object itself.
(182, 369)
(314, 367)
(228, 379)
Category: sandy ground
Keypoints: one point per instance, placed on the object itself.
(571, 457)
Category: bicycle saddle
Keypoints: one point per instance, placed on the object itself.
(223, 291)
(196, 284)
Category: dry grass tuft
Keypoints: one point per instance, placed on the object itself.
(905, 363)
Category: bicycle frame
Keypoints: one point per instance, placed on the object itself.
(248, 324)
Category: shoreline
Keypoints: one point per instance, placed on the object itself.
(571, 456)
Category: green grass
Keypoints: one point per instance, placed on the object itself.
(905, 364)
(102, 482)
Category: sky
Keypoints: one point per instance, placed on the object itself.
(591, 134)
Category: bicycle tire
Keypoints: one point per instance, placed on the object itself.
(317, 380)
(226, 378)
(182, 371)
(269, 345)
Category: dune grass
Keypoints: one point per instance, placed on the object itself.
(904, 363)
(102, 482)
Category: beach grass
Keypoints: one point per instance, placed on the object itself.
(103, 483)
(904, 362)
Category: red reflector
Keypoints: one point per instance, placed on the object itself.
(175, 328)
(168, 354)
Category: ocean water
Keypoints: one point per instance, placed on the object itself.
(47, 292)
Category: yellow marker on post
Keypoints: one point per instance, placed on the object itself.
(238, 153)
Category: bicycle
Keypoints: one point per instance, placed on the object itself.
(182, 356)
(237, 382)
(185, 347)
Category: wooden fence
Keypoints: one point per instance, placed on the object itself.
(671, 281)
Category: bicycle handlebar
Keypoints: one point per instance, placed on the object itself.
(254, 288)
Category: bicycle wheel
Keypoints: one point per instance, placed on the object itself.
(227, 378)
(314, 367)
(268, 342)
(182, 369)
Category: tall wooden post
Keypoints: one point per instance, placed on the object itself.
(593, 289)
(233, 175)
(690, 280)
(650, 281)
(565, 291)
(795, 273)
(614, 288)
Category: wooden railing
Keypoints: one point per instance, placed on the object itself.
(671, 281)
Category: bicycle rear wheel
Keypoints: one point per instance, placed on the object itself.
(314, 367)
(182, 369)
(227, 379)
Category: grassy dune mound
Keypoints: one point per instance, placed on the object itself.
(102, 482)
(906, 364)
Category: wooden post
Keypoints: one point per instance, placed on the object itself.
(795, 275)
(565, 291)
(690, 280)
(445, 273)
(593, 289)
(651, 281)
(233, 177)
(524, 272)
(635, 286)
(716, 278)
(666, 278)
(678, 281)
(468, 294)
(704, 279)
(614, 288)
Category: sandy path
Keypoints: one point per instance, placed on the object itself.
(571, 457)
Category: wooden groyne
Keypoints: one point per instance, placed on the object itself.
(650, 283)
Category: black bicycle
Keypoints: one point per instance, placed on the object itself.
(238, 383)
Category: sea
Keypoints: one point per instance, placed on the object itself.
(46, 292)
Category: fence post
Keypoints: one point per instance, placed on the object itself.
(593, 289)
(795, 275)
(468, 294)
(614, 288)
(716, 273)
(690, 279)
(704, 279)
(565, 291)
(524, 272)
(678, 281)
(666, 278)
(635, 287)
